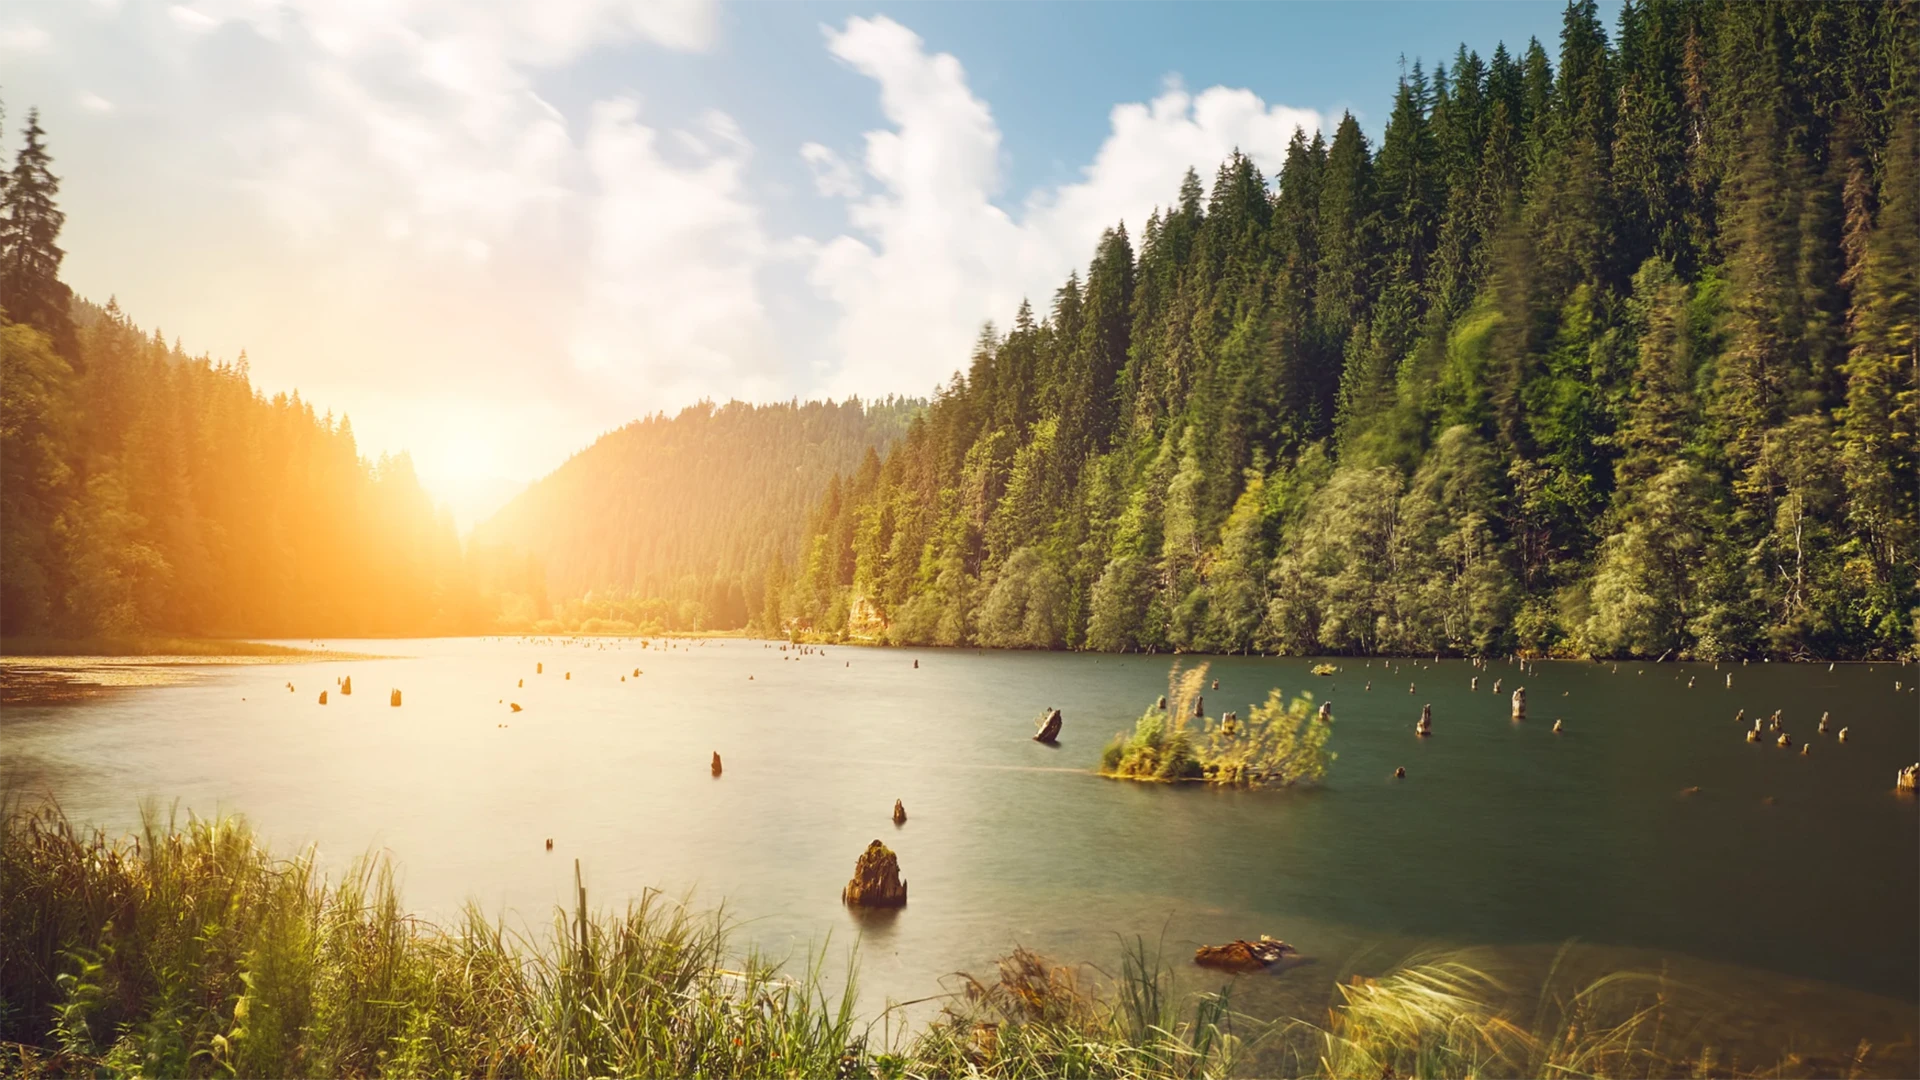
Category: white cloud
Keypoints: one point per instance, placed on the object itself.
(934, 254)
(93, 102)
(673, 309)
(24, 37)
(832, 176)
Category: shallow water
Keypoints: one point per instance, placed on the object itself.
(1793, 880)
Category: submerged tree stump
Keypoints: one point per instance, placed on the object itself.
(1049, 727)
(876, 880)
(899, 813)
(1243, 955)
(1520, 703)
(716, 763)
(323, 697)
(346, 686)
(1425, 726)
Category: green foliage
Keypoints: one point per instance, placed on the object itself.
(1277, 744)
(1606, 355)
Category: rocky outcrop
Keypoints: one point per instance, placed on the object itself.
(876, 880)
(1243, 955)
(1049, 727)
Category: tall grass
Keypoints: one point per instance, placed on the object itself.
(188, 950)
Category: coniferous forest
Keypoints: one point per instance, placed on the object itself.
(674, 522)
(145, 491)
(1612, 353)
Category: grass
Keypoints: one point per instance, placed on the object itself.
(190, 951)
(1278, 744)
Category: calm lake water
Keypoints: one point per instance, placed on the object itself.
(1790, 883)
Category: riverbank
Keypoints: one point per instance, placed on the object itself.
(53, 671)
(192, 951)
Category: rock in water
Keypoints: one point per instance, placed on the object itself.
(1520, 703)
(1243, 955)
(899, 813)
(1049, 727)
(716, 763)
(876, 880)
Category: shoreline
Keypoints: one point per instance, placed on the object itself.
(52, 671)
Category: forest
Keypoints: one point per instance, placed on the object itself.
(674, 522)
(144, 491)
(1611, 354)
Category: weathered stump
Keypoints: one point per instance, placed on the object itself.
(393, 699)
(876, 880)
(899, 813)
(1243, 955)
(346, 686)
(1425, 726)
(716, 763)
(1520, 703)
(323, 697)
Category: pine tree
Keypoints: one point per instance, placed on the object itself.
(31, 291)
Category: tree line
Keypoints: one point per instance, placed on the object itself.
(673, 523)
(144, 491)
(1611, 354)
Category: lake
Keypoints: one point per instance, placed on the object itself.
(1789, 883)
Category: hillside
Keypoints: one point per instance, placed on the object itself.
(1618, 355)
(674, 521)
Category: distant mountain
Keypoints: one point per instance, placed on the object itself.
(673, 521)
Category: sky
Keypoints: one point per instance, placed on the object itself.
(489, 231)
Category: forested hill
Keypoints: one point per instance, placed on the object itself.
(144, 491)
(674, 521)
(1614, 353)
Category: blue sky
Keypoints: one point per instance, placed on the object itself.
(489, 230)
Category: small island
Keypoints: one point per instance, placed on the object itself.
(1280, 743)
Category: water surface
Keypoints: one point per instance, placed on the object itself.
(1793, 879)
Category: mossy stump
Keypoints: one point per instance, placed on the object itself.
(876, 880)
